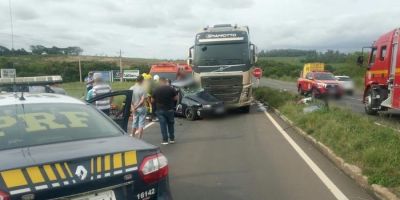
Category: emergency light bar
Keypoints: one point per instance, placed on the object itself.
(31, 81)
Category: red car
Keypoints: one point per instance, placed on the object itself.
(320, 84)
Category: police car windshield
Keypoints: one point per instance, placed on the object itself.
(38, 124)
(324, 76)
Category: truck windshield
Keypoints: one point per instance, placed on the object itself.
(38, 124)
(221, 54)
(168, 75)
(324, 76)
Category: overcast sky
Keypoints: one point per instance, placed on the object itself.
(166, 29)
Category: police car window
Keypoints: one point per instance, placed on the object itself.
(37, 124)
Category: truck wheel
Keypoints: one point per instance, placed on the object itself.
(190, 114)
(368, 103)
(244, 109)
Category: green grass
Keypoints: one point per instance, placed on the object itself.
(355, 138)
(78, 90)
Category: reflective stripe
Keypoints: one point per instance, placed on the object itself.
(117, 160)
(50, 173)
(130, 158)
(60, 171)
(98, 164)
(14, 178)
(92, 166)
(68, 170)
(35, 175)
(107, 163)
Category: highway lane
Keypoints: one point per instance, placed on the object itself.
(244, 156)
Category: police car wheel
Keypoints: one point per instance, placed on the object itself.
(190, 114)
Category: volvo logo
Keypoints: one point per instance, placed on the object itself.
(81, 172)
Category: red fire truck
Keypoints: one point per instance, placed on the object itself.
(382, 79)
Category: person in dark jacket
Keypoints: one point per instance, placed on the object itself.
(165, 96)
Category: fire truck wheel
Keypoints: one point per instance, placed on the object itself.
(368, 104)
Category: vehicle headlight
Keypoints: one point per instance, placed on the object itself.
(207, 106)
(321, 85)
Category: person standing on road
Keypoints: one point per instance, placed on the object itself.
(100, 87)
(138, 107)
(89, 81)
(164, 96)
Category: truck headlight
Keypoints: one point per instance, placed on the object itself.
(207, 106)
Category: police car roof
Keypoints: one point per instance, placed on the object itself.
(14, 99)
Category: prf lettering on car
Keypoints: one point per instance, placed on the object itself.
(41, 121)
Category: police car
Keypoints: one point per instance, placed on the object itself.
(57, 147)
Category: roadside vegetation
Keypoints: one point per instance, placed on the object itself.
(68, 65)
(355, 138)
(286, 64)
(78, 90)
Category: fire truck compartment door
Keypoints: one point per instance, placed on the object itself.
(395, 72)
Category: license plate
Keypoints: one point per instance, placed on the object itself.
(107, 195)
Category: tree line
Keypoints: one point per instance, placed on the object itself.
(41, 50)
(329, 56)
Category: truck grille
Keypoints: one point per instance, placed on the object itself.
(225, 88)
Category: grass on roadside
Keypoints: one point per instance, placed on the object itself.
(355, 138)
(78, 90)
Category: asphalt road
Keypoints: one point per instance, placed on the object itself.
(244, 156)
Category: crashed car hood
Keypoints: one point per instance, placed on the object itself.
(203, 98)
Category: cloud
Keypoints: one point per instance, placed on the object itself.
(166, 29)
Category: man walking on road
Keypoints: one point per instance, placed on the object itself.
(164, 96)
(138, 107)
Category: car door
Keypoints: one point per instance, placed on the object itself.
(120, 106)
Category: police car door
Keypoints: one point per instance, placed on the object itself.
(120, 110)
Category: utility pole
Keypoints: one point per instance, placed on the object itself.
(80, 69)
(120, 66)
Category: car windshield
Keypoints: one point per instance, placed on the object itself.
(343, 79)
(324, 76)
(38, 124)
(168, 75)
(191, 89)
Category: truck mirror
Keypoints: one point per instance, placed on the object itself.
(254, 53)
(190, 58)
(360, 60)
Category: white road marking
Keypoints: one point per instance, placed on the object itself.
(131, 169)
(321, 175)
(148, 125)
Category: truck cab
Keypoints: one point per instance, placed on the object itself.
(222, 59)
(382, 79)
(165, 70)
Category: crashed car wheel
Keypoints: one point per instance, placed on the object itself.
(190, 114)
